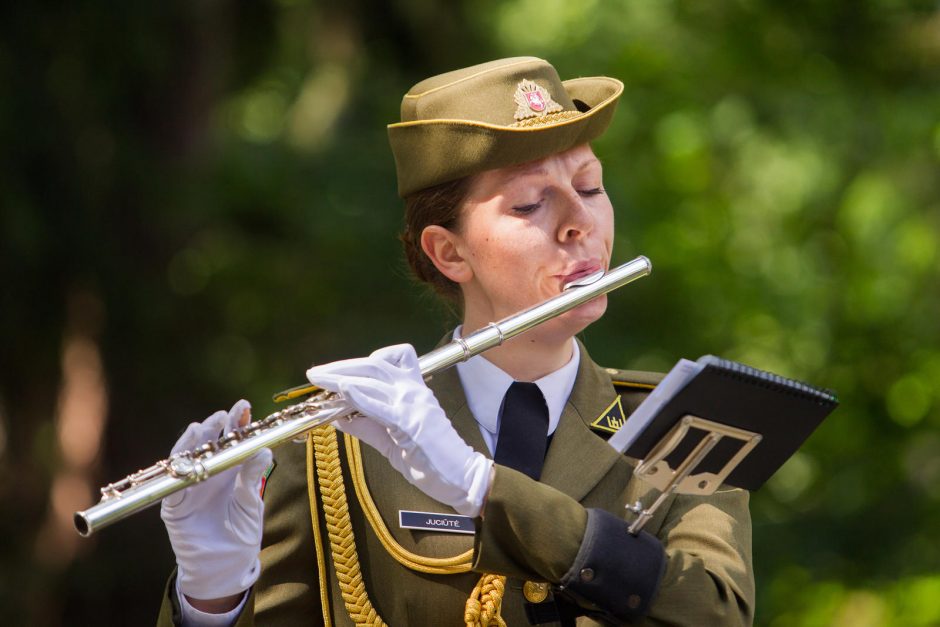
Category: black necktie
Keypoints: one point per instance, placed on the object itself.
(523, 429)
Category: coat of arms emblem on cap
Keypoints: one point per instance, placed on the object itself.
(533, 101)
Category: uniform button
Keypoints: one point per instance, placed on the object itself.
(535, 592)
(587, 575)
(633, 601)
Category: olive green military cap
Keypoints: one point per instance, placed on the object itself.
(494, 115)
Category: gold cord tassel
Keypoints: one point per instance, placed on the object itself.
(485, 602)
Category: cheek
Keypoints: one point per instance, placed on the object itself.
(509, 249)
(511, 267)
(605, 224)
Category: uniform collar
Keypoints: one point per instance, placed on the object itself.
(577, 459)
(485, 385)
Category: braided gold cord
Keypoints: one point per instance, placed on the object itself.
(339, 529)
(483, 606)
(433, 566)
(486, 600)
(546, 120)
(317, 534)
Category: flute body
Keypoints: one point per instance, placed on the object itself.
(149, 486)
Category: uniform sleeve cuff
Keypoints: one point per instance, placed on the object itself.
(615, 571)
(529, 530)
(191, 617)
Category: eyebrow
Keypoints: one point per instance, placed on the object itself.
(532, 169)
(528, 169)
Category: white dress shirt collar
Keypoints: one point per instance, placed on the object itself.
(485, 385)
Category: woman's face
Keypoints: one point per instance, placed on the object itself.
(525, 231)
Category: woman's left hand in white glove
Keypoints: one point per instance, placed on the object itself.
(215, 526)
(403, 421)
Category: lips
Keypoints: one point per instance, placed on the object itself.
(579, 270)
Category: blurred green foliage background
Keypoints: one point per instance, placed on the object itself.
(198, 201)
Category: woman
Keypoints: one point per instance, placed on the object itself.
(504, 205)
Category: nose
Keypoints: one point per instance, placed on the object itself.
(577, 220)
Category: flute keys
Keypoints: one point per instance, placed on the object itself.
(110, 491)
(181, 467)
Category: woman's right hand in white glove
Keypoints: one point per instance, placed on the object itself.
(403, 421)
(215, 526)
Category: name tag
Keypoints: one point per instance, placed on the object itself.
(430, 521)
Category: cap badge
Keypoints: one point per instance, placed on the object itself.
(533, 101)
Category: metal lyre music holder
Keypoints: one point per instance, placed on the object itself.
(655, 470)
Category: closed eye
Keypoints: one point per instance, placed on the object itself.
(592, 192)
(526, 209)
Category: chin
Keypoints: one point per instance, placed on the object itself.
(573, 322)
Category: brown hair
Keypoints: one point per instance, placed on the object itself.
(440, 205)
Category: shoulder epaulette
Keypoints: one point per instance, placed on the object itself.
(632, 386)
(634, 379)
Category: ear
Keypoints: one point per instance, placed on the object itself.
(442, 247)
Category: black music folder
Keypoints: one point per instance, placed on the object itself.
(783, 411)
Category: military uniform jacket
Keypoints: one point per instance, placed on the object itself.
(531, 531)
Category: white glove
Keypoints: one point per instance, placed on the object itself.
(404, 422)
(215, 525)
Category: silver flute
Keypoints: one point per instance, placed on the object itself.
(149, 486)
